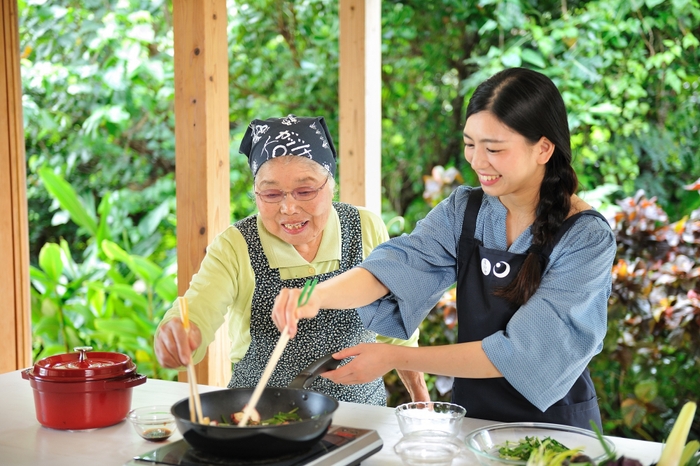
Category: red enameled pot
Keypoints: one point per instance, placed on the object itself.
(83, 390)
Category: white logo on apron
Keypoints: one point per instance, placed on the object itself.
(485, 266)
(500, 270)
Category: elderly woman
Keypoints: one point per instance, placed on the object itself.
(299, 233)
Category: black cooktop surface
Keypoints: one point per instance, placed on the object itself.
(340, 446)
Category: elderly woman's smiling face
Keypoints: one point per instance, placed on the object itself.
(297, 222)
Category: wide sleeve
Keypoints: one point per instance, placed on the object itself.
(214, 287)
(550, 340)
(374, 233)
(416, 268)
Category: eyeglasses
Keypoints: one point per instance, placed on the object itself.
(274, 196)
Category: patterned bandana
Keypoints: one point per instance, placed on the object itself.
(292, 135)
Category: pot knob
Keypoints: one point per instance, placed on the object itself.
(82, 350)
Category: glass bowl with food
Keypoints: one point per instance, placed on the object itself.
(154, 423)
(430, 415)
(514, 443)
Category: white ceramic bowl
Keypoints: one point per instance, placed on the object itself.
(154, 423)
(485, 442)
(431, 415)
(432, 447)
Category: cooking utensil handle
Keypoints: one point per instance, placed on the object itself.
(132, 381)
(262, 383)
(313, 370)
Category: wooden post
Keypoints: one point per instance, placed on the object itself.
(201, 151)
(360, 107)
(15, 333)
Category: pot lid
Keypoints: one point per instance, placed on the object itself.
(83, 366)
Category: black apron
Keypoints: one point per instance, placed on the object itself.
(480, 314)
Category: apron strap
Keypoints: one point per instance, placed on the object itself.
(471, 212)
(568, 223)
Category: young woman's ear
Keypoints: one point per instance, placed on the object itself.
(544, 148)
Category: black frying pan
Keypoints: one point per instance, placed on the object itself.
(315, 409)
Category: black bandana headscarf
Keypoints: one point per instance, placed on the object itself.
(291, 135)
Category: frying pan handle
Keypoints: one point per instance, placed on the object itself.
(319, 366)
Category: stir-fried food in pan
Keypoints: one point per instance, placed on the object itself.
(278, 419)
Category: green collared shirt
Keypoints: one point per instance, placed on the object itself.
(222, 290)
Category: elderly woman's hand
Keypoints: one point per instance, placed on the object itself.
(173, 347)
(286, 313)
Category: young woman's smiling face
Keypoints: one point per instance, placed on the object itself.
(506, 163)
(299, 223)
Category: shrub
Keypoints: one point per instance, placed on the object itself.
(650, 365)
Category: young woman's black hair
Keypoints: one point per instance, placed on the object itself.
(529, 103)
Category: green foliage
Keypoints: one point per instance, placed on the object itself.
(112, 300)
(98, 107)
(651, 359)
(629, 73)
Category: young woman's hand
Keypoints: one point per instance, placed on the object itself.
(173, 347)
(286, 313)
(371, 360)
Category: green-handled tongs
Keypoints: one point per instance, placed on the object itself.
(306, 292)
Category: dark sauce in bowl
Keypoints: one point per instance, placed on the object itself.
(157, 435)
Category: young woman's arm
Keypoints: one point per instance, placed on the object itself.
(354, 288)
(466, 360)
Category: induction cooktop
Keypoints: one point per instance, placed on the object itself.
(344, 446)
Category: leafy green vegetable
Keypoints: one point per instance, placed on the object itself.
(281, 418)
(523, 449)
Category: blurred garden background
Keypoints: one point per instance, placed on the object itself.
(98, 101)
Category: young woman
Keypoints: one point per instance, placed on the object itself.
(530, 259)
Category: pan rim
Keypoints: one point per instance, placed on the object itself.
(209, 394)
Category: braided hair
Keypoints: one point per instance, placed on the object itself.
(530, 104)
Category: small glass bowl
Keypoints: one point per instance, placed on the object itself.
(430, 415)
(153, 423)
(433, 447)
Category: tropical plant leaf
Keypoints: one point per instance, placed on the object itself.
(118, 327)
(50, 261)
(66, 196)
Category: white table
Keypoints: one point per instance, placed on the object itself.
(23, 441)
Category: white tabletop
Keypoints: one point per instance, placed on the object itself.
(23, 441)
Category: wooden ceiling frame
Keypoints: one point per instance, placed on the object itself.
(201, 151)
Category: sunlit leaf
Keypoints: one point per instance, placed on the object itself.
(50, 261)
(632, 412)
(68, 199)
(127, 293)
(117, 327)
(646, 390)
(115, 252)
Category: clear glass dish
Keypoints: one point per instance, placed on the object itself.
(485, 442)
(431, 415)
(433, 447)
(153, 423)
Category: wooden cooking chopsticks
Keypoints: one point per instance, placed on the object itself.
(195, 403)
(249, 409)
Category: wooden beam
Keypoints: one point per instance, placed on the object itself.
(15, 312)
(360, 107)
(201, 150)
